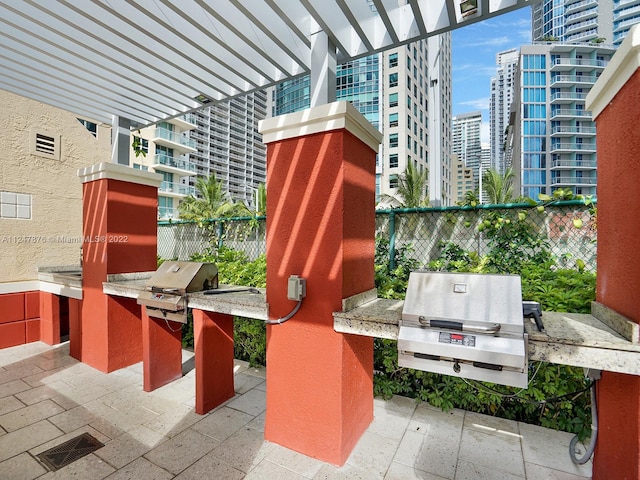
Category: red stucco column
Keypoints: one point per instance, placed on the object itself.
(213, 348)
(75, 328)
(615, 103)
(49, 318)
(120, 231)
(161, 351)
(320, 225)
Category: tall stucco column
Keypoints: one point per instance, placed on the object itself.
(320, 226)
(119, 225)
(615, 104)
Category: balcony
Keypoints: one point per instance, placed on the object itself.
(622, 13)
(574, 164)
(560, 64)
(567, 97)
(574, 79)
(569, 113)
(573, 147)
(173, 189)
(184, 122)
(166, 163)
(572, 180)
(577, 6)
(568, 131)
(580, 26)
(162, 136)
(165, 213)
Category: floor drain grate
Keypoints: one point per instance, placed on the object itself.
(68, 452)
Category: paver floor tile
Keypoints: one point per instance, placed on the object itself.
(26, 438)
(243, 382)
(346, 472)
(398, 471)
(266, 470)
(73, 419)
(183, 450)
(28, 415)
(222, 423)
(296, 462)
(373, 453)
(471, 471)
(21, 467)
(500, 452)
(253, 402)
(389, 423)
(9, 404)
(175, 421)
(13, 387)
(143, 469)
(243, 450)
(538, 472)
(130, 445)
(210, 467)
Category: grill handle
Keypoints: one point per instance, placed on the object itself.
(460, 326)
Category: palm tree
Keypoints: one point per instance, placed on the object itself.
(499, 188)
(412, 189)
(214, 202)
(261, 200)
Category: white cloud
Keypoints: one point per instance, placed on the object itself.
(477, 104)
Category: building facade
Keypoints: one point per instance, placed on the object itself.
(553, 135)
(466, 142)
(406, 94)
(605, 21)
(500, 100)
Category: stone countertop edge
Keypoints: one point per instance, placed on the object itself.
(619, 323)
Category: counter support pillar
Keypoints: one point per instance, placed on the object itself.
(213, 346)
(161, 351)
(320, 226)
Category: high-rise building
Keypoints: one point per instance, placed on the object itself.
(466, 142)
(605, 21)
(553, 135)
(228, 145)
(502, 94)
(221, 140)
(404, 92)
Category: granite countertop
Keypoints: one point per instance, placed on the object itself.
(66, 275)
(242, 304)
(581, 340)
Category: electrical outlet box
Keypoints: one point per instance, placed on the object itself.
(296, 288)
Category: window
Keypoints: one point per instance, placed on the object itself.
(393, 100)
(393, 80)
(393, 120)
(393, 60)
(15, 205)
(393, 160)
(393, 140)
(393, 181)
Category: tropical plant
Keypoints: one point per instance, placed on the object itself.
(498, 187)
(412, 189)
(212, 202)
(261, 200)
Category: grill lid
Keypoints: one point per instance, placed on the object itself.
(183, 277)
(481, 303)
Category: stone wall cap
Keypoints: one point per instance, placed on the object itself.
(323, 118)
(115, 171)
(622, 66)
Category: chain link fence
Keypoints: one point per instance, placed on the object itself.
(568, 229)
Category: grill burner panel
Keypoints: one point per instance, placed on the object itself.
(466, 325)
(166, 292)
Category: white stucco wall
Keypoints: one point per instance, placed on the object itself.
(52, 236)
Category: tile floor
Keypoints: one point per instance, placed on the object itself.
(47, 397)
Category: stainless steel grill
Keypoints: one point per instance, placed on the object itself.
(165, 295)
(466, 325)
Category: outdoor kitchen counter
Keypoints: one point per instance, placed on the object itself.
(576, 339)
(242, 304)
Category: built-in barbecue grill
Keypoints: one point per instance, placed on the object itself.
(466, 325)
(165, 295)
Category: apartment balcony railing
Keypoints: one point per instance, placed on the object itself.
(618, 26)
(622, 13)
(573, 130)
(574, 164)
(572, 180)
(176, 162)
(570, 7)
(570, 147)
(584, 14)
(570, 113)
(590, 79)
(167, 212)
(571, 96)
(579, 62)
(580, 26)
(189, 118)
(177, 188)
(581, 36)
(173, 137)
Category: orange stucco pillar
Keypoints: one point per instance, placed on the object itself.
(213, 348)
(615, 103)
(75, 328)
(320, 225)
(49, 318)
(161, 351)
(120, 236)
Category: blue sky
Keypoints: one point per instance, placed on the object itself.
(474, 50)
